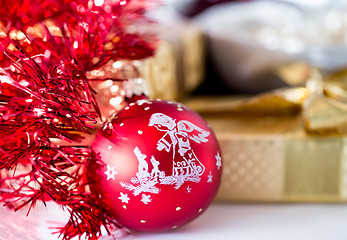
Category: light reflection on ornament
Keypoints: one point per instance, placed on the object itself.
(120, 85)
(117, 64)
(108, 83)
(114, 88)
(98, 2)
(116, 101)
(98, 73)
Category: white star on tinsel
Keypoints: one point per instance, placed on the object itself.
(146, 199)
(210, 176)
(218, 161)
(124, 197)
(110, 172)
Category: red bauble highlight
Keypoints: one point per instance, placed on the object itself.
(160, 166)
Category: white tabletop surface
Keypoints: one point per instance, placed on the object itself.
(220, 221)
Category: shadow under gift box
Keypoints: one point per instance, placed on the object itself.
(271, 158)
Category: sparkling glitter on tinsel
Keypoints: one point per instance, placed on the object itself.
(47, 104)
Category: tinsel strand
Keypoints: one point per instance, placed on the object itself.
(47, 104)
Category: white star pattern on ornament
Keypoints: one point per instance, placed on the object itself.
(146, 199)
(124, 198)
(218, 161)
(210, 176)
(110, 172)
(189, 189)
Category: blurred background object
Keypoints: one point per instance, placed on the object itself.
(178, 66)
(248, 48)
(248, 41)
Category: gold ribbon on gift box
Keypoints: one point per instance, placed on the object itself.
(322, 101)
(285, 145)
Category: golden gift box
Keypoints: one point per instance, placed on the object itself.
(281, 146)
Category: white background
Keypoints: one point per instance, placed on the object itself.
(220, 221)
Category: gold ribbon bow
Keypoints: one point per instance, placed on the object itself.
(322, 101)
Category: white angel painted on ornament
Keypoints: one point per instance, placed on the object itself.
(186, 165)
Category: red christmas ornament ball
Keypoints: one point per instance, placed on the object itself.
(160, 165)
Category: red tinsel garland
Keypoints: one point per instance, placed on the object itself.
(47, 104)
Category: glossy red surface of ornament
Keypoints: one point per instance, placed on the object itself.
(160, 165)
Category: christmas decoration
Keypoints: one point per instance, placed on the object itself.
(122, 85)
(178, 66)
(48, 48)
(157, 165)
